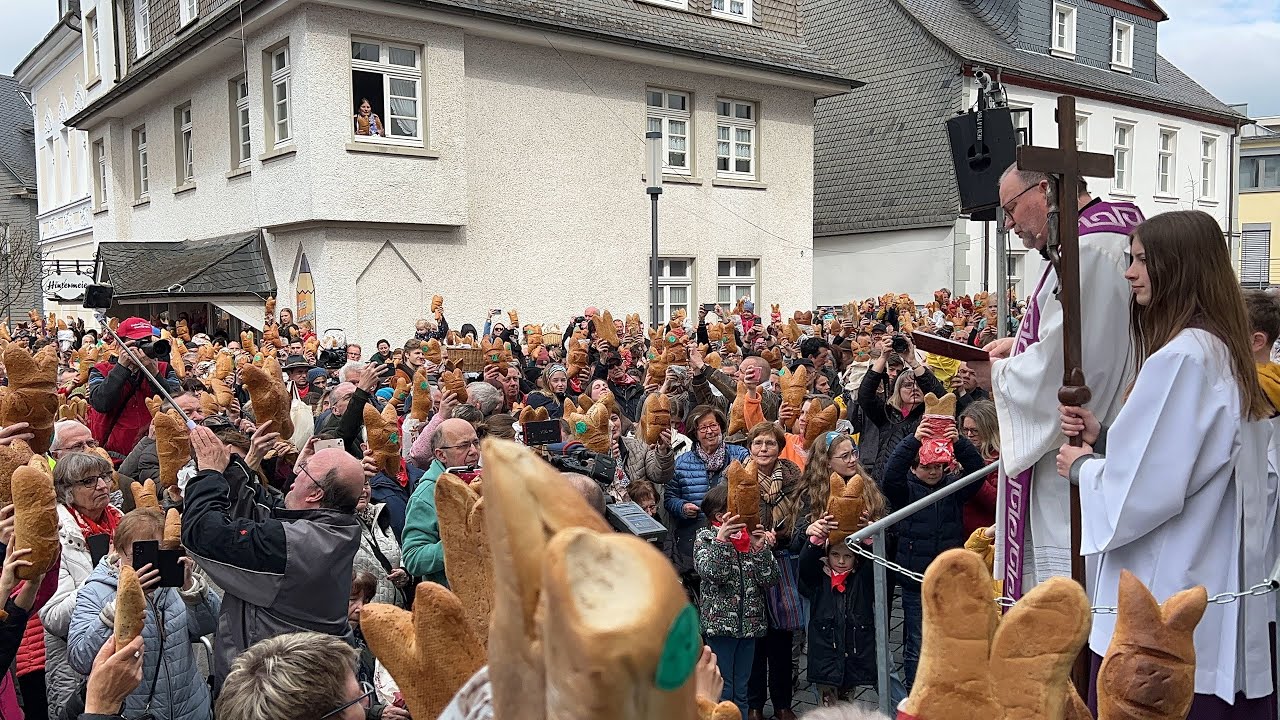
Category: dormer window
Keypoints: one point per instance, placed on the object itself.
(1064, 30)
(1121, 45)
(739, 10)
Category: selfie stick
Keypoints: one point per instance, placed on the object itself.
(159, 386)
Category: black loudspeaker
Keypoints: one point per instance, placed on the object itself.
(983, 144)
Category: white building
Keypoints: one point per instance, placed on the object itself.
(887, 212)
(511, 176)
(53, 78)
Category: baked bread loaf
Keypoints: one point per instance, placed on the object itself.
(633, 326)
(656, 372)
(1149, 671)
(432, 352)
(655, 418)
(172, 530)
(534, 414)
(730, 346)
(526, 503)
(846, 503)
(75, 408)
(819, 420)
(221, 392)
(12, 457)
(144, 494)
(131, 607)
(270, 398)
(737, 409)
(592, 427)
(35, 516)
(223, 365)
(173, 445)
(467, 560)
(437, 304)
(773, 357)
(945, 405)
(744, 493)
(400, 393)
(32, 393)
(794, 385)
(605, 330)
(420, 401)
(715, 332)
(383, 436)
(454, 381)
(209, 404)
(576, 359)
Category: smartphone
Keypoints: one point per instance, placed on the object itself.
(99, 546)
(709, 307)
(166, 561)
(327, 444)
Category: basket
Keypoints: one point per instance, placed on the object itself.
(468, 359)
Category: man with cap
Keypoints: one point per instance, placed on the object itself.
(296, 368)
(118, 390)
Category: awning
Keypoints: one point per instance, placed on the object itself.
(246, 310)
(233, 268)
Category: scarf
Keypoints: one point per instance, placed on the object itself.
(771, 486)
(838, 580)
(715, 461)
(402, 477)
(620, 479)
(110, 519)
(740, 540)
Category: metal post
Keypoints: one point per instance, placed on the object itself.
(915, 507)
(653, 250)
(1002, 274)
(653, 173)
(883, 656)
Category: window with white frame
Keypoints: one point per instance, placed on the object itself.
(141, 179)
(1257, 172)
(279, 114)
(735, 139)
(51, 151)
(1064, 29)
(1167, 162)
(100, 173)
(241, 147)
(1013, 267)
(93, 48)
(675, 286)
(184, 168)
(735, 279)
(141, 27)
(739, 10)
(1121, 44)
(1082, 133)
(187, 11)
(681, 4)
(1123, 150)
(68, 180)
(668, 113)
(1208, 167)
(1021, 125)
(387, 78)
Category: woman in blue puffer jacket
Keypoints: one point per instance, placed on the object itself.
(172, 687)
(697, 471)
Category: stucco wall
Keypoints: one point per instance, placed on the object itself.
(848, 267)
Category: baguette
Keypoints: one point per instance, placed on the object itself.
(172, 529)
(173, 445)
(468, 561)
(131, 607)
(144, 494)
(35, 523)
(744, 493)
(12, 457)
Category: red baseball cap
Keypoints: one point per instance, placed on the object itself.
(134, 328)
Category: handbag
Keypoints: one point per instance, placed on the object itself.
(783, 599)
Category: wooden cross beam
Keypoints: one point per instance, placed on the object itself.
(1066, 166)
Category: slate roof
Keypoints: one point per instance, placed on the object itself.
(974, 40)
(17, 139)
(669, 30)
(228, 265)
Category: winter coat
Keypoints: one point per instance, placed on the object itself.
(885, 426)
(281, 570)
(118, 413)
(387, 490)
(733, 585)
(629, 398)
(174, 620)
(842, 634)
(690, 482)
(61, 680)
(421, 549)
(937, 527)
(142, 463)
(641, 462)
(375, 532)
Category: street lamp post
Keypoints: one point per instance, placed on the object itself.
(653, 157)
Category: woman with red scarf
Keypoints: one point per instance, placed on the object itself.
(86, 519)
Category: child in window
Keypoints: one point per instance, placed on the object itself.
(367, 122)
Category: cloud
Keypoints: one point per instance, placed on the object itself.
(1229, 47)
(25, 24)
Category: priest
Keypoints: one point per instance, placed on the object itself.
(1028, 369)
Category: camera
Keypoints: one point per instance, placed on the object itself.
(97, 297)
(597, 466)
(333, 349)
(899, 343)
(155, 349)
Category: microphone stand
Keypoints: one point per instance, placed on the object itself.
(101, 315)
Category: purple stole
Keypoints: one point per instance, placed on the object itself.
(1103, 217)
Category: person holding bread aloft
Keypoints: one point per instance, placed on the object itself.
(736, 565)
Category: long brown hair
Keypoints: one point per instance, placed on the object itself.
(817, 478)
(1193, 286)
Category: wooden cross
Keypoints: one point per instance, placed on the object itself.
(1066, 165)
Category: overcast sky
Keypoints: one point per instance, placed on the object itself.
(1232, 47)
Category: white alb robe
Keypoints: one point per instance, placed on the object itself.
(1184, 498)
(1025, 390)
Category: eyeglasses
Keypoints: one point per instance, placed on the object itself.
(364, 700)
(970, 432)
(94, 480)
(1014, 199)
(709, 429)
(468, 444)
(303, 469)
(846, 457)
(82, 445)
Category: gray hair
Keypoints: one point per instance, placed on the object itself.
(842, 711)
(589, 490)
(1031, 177)
(298, 675)
(59, 432)
(353, 367)
(487, 397)
(74, 467)
(470, 413)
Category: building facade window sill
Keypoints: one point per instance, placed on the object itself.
(188, 187)
(403, 150)
(731, 17)
(1212, 202)
(1122, 68)
(1163, 198)
(239, 172)
(142, 202)
(734, 183)
(1062, 54)
(1123, 194)
(669, 179)
(1260, 190)
(277, 153)
(100, 210)
(93, 82)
